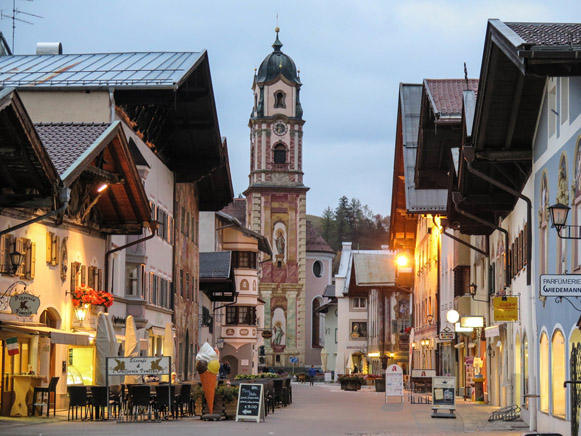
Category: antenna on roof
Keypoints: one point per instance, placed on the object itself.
(14, 18)
(466, 77)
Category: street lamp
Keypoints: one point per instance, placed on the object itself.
(452, 316)
(472, 288)
(16, 259)
(558, 213)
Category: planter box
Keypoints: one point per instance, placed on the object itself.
(350, 386)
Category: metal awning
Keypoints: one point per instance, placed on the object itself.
(56, 336)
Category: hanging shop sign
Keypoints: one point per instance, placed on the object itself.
(446, 336)
(560, 285)
(505, 309)
(138, 365)
(267, 334)
(24, 304)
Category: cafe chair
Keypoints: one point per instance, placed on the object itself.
(161, 402)
(78, 398)
(183, 399)
(139, 401)
(45, 392)
(99, 402)
(115, 399)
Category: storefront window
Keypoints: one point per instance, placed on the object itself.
(559, 371)
(544, 379)
(81, 369)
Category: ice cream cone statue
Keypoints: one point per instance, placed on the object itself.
(207, 365)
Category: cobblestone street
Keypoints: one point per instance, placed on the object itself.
(318, 410)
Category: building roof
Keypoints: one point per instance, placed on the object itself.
(445, 95)
(315, 241)
(329, 291)
(99, 70)
(215, 265)
(417, 200)
(67, 142)
(275, 64)
(374, 269)
(237, 209)
(548, 34)
(263, 244)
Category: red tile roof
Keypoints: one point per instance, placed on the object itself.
(237, 209)
(446, 94)
(548, 33)
(315, 241)
(66, 142)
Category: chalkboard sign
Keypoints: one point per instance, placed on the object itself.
(250, 402)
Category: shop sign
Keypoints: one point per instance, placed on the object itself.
(24, 304)
(424, 373)
(560, 285)
(267, 334)
(250, 402)
(446, 336)
(138, 365)
(505, 309)
(443, 393)
(393, 381)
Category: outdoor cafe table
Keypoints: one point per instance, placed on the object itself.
(23, 387)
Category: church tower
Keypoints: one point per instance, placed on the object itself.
(276, 202)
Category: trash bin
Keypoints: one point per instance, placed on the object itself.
(380, 385)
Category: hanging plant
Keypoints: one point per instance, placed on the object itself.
(87, 295)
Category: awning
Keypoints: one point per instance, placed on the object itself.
(157, 331)
(56, 336)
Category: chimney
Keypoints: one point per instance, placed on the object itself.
(49, 48)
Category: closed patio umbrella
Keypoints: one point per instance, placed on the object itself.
(103, 349)
(168, 347)
(114, 348)
(349, 365)
(324, 355)
(131, 347)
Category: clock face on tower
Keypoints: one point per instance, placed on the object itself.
(279, 128)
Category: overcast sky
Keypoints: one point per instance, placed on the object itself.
(352, 56)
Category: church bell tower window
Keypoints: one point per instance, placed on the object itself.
(279, 98)
(279, 154)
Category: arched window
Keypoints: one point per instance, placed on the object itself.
(279, 98)
(544, 378)
(318, 268)
(544, 233)
(279, 154)
(559, 372)
(316, 330)
(562, 198)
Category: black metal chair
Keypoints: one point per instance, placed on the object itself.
(162, 402)
(115, 399)
(183, 399)
(269, 396)
(280, 393)
(289, 390)
(45, 392)
(139, 401)
(99, 402)
(78, 398)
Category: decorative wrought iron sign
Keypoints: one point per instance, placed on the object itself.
(24, 304)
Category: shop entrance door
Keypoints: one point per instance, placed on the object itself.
(575, 387)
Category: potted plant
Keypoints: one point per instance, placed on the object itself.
(351, 382)
(197, 397)
(229, 396)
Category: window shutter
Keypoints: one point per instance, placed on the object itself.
(21, 246)
(84, 274)
(49, 236)
(32, 262)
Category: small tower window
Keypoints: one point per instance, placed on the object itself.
(279, 154)
(279, 97)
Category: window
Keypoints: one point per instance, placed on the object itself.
(240, 315)
(244, 259)
(358, 303)
(131, 279)
(279, 98)
(181, 288)
(558, 372)
(318, 268)
(279, 154)
(316, 324)
(358, 330)
(188, 286)
(525, 368)
(544, 378)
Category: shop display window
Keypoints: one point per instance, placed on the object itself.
(558, 371)
(544, 378)
(81, 367)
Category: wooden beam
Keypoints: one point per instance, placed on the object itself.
(514, 110)
(118, 165)
(505, 155)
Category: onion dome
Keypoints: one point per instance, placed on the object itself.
(277, 63)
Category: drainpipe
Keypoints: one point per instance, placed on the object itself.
(153, 228)
(64, 196)
(470, 156)
(456, 199)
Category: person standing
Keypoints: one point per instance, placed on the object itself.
(312, 374)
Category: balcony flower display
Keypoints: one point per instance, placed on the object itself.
(85, 295)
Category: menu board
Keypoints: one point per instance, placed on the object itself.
(250, 402)
(393, 381)
(444, 393)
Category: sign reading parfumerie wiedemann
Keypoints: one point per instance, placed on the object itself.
(560, 285)
(250, 402)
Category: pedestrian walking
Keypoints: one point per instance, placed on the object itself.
(312, 374)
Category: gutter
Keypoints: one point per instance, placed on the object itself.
(64, 197)
(469, 156)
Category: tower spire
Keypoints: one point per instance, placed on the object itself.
(277, 44)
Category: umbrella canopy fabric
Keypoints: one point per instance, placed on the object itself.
(324, 355)
(114, 348)
(103, 349)
(168, 347)
(349, 365)
(131, 347)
